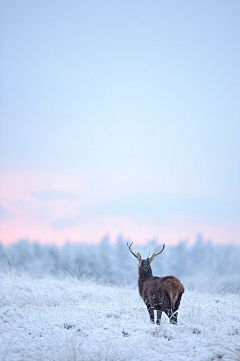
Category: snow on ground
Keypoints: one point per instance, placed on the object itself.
(69, 319)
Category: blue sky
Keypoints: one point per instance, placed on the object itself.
(120, 118)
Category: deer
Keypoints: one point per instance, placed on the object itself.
(160, 294)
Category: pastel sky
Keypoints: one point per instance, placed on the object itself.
(120, 117)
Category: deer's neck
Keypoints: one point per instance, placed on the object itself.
(142, 277)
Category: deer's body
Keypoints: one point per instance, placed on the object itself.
(158, 293)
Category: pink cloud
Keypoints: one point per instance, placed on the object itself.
(56, 208)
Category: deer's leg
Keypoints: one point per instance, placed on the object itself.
(151, 314)
(150, 311)
(159, 315)
(173, 318)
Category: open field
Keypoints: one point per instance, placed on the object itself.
(70, 319)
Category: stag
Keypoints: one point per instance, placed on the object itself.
(158, 293)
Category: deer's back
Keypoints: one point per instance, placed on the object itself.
(161, 292)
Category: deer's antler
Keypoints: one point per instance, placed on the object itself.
(137, 255)
(156, 253)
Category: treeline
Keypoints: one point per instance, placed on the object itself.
(201, 265)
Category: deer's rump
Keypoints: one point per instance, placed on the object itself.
(162, 293)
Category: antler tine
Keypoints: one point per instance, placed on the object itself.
(129, 246)
(160, 251)
(156, 253)
(137, 255)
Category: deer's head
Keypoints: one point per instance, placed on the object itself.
(144, 265)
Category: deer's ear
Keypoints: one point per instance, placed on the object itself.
(150, 259)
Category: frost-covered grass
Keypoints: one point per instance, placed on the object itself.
(70, 319)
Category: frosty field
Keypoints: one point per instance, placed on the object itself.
(71, 319)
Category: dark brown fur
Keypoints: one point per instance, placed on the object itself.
(159, 293)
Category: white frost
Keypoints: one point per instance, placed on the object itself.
(70, 319)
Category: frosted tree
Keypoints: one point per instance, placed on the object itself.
(106, 270)
(124, 267)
